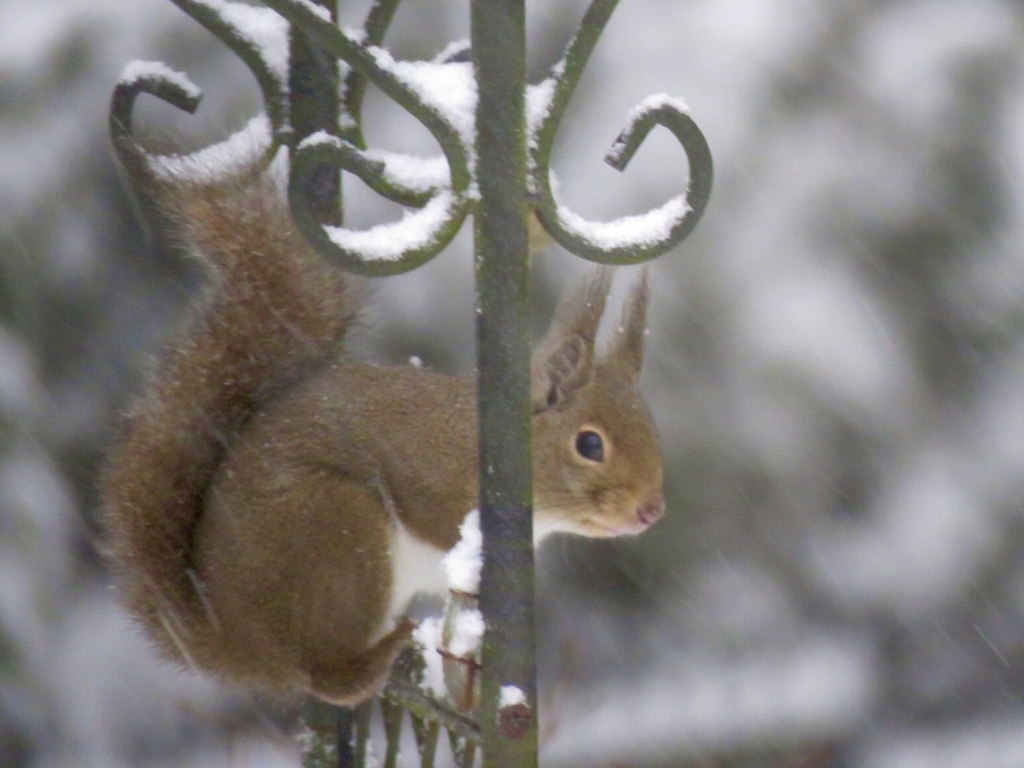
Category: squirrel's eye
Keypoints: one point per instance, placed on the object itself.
(590, 446)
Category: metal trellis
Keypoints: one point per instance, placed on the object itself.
(498, 171)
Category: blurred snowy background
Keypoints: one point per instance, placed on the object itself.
(836, 364)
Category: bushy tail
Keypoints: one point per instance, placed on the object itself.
(276, 312)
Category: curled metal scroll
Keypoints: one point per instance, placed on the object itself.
(440, 190)
(405, 245)
(632, 239)
(260, 38)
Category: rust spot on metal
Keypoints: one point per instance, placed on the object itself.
(515, 720)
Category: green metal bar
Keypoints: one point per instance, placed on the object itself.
(450, 205)
(313, 83)
(132, 156)
(275, 94)
(463, 750)
(377, 22)
(410, 696)
(362, 733)
(503, 362)
(427, 732)
(320, 745)
(330, 38)
(392, 715)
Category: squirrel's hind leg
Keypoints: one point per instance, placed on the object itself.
(354, 680)
(296, 564)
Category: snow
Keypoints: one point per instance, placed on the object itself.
(539, 99)
(391, 241)
(320, 138)
(449, 88)
(416, 229)
(453, 48)
(239, 151)
(510, 696)
(468, 631)
(639, 230)
(356, 35)
(319, 10)
(264, 28)
(420, 174)
(658, 101)
(137, 70)
(465, 625)
(462, 568)
(642, 229)
(653, 102)
(307, 739)
(428, 636)
(463, 563)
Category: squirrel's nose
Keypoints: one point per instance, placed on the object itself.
(651, 510)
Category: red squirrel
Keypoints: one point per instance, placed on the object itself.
(272, 503)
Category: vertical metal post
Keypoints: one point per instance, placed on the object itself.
(314, 88)
(503, 362)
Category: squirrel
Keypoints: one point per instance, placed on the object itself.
(272, 504)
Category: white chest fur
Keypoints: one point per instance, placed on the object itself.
(415, 567)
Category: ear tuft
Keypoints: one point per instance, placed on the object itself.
(628, 347)
(563, 362)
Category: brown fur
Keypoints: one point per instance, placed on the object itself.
(249, 505)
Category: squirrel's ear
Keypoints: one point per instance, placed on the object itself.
(563, 362)
(628, 346)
